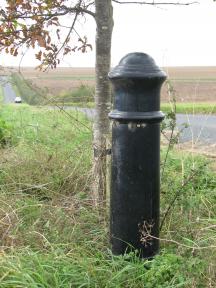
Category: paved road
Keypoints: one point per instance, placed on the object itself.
(202, 128)
(9, 93)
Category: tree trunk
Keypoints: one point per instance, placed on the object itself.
(104, 24)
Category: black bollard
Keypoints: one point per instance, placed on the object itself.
(135, 176)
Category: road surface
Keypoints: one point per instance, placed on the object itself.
(202, 128)
(9, 93)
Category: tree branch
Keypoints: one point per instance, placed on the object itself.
(66, 39)
(56, 14)
(155, 3)
(78, 9)
(62, 11)
(88, 12)
(183, 245)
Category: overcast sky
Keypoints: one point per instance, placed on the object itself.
(172, 35)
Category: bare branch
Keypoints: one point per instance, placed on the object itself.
(184, 245)
(155, 3)
(78, 9)
(49, 16)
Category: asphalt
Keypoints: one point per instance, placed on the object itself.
(201, 128)
(9, 93)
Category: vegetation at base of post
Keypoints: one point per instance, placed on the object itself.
(52, 236)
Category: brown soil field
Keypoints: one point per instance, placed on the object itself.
(191, 84)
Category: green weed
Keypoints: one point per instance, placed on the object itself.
(6, 131)
(191, 108)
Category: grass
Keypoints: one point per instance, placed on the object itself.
(193, 80)
(52, 236)
(191, 108)
(32, 270)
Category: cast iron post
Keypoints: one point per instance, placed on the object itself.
(135, 176)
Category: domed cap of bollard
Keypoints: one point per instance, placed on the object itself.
(137, 82)
(137, 65)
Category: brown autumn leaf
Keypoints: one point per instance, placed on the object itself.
(15, 52)
(38, 55)
(41, 41)
(19, 2)
(12, 50)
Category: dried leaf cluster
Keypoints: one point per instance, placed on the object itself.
(37, 24)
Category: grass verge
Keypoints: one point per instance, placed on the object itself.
(52, 236)
(191, 108)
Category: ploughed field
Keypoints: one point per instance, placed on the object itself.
(191, 84)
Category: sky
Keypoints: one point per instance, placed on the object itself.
(172, 35)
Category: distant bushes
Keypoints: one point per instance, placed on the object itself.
(82, 94)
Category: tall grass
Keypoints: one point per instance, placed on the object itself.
(52, 236)
(191, 108)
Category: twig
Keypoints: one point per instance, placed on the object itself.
(171, 93)
(184, 245)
